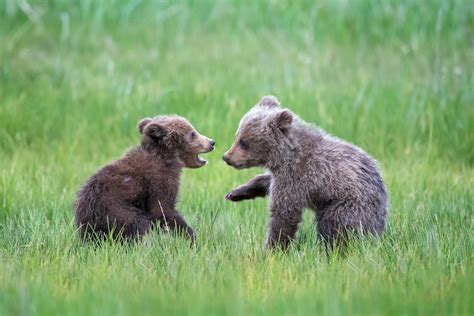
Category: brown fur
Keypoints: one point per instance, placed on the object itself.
(127, 197)
(307, 168)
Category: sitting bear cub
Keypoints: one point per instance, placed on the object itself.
(307, 169)
(127, 197)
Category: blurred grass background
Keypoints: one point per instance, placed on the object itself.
(394, 77)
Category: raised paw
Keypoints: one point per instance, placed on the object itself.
(234, 196)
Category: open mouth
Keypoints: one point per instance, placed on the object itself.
(201, 161)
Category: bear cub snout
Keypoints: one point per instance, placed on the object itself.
(129, 196)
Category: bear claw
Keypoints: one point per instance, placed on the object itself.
(231, 196)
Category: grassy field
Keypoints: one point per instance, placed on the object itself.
(394, 77)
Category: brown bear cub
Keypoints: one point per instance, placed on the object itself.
(307, 168)
(129, 196)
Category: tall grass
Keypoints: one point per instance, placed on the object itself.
(394, 77)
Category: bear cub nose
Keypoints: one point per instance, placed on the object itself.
(212, 142)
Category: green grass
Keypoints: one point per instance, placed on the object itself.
(394, 77)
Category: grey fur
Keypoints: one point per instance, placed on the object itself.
(307, 168)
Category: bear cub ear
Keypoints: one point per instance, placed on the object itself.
(141, 125)
(269, 101)
(153, 130)
(283, 120)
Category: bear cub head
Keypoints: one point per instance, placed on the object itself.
(262, 133)
(175, 137)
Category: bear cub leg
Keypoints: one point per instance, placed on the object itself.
(174, 222)
(259, 186)
(284, 221)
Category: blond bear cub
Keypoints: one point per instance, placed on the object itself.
(307, 168)
(129, 196)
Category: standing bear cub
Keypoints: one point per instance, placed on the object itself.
(307, 169)
(127, 197)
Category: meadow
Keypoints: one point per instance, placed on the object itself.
(394, 77)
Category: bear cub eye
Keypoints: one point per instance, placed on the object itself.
(193, 135)
(243, 144)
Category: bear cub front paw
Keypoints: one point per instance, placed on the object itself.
(235, 196)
